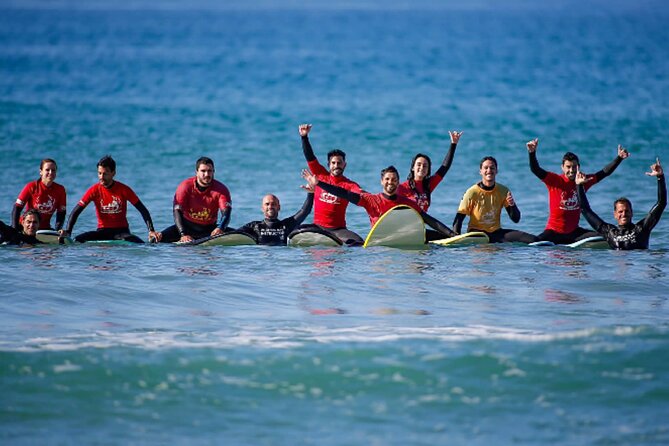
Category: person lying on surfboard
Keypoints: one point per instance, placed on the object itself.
(197, 201)
(378, 204)
(24, 236)
(330, 209)
(111, 204)
(563, 209)
(271, 230)
(44, 195)
(483, 203)
(420, 183)
(626, 235)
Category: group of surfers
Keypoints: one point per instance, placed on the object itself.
(198, 200)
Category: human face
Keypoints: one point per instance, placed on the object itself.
(270, 206)
(569, 168)
(48, 173)
(337, 165)
(420, 168)
(204, 175)
(622, 213)
(389, 182)
(105, 176)
(30, 224)
(488, 173)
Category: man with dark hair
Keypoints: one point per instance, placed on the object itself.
(26, 235)
(563, 208)
(111, 205)
(197, 201)
(330, 209)
(626, 235)
(378, 204)
(271, 230)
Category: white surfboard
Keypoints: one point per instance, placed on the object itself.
(468, 238)
(233, 238)
(597, 242)
(400, 227)
(542, 243)
(52, 237)
(312, 236)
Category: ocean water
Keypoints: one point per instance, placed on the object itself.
(256, 345)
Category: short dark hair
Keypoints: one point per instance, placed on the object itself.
(107, 162)
(569, 156)
(336, 152)
(488, 158)
(204, 160)
(390, 169)
(623, 200)
(47, 160)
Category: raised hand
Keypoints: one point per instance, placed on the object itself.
(581, 178)
(656, 169)
(455, 136)
(309, 177)
(304, 129)
(509, 199)
(532, 145)
(622, 152)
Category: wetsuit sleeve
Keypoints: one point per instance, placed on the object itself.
(179, 220)
(535, 168)
(60, 219)
(145, 215)
(16, 215)
(340, 192)
(74, 215)
(306, 209)
(446, 163)
(437, 225)
(655, 213)
(594, 220)
(308, 151)
(457, 222)
(225, 218)
(608, 169)
(7, 232)
(514, 213)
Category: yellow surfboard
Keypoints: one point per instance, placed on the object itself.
(468, 238)
(400, 227)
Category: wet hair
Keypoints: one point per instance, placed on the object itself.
(569, 156)
(34, 212)
(488, 158)
(624, 200)
(426, 180)
(392, 169)
(47, 160)
(204, 160)
(336, 152)
(107, 162)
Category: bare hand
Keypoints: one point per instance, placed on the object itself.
(155, 237)
(581, 178)
(309, 177)
(656, 169)
(304, 129)
(532, 145)
(308, 187)
(622, 152)
(509, 199)
(455, 136)
(185, 239)
(217, 231)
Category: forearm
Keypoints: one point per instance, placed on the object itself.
(60, 220)
(179, 221)
(306, 209)
(609, 168)
(225, 218)
(306, 148)
(74, 215)
(340, 192)
(145, 215)
(448, 160)
(514, 213)
(437, 225)
(457, 222)
(16, 216)
(535, 168)
(656, 211)
(588, 213)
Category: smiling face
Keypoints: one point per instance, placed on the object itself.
(47, 173)
(488, 172)
(389, 182)
(105, 176)
(270, 207)
(569, 168)
(421, 168)
(30, 224)
(204, 175)
(337, 165)
(622, 212)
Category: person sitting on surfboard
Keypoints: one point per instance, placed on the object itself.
(329, 209)
(378, 204)
(26, 235)
(626, 235)
(271, 230)
(420, 184)
(44, 195)
(197, 201)
(483, 203)
(111, 205)
(563, 209)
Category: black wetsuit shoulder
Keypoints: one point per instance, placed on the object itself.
(12, 236)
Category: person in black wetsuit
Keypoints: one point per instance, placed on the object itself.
(626, 235)
(271, 230)
(25, 236)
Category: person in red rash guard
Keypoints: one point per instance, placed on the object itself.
(44, 195)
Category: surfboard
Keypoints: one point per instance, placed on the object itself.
(312, 236)
(542, 243)
(52, 237)
(596, 242)
(400, 227)
(468, 238)
(233, 238)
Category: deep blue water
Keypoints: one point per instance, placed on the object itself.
(255, 345)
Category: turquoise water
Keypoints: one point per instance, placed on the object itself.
(256, 345)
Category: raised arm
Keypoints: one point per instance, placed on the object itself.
(304, 130)
(613, 165)
(334, 190)
(448, 159)
(655, 213)
(534, 163)
(588, 213)
(306, 208)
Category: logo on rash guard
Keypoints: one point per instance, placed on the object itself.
(569, 203)
(112, 208)
(47, 207)
(327, 197)
(203, 215)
